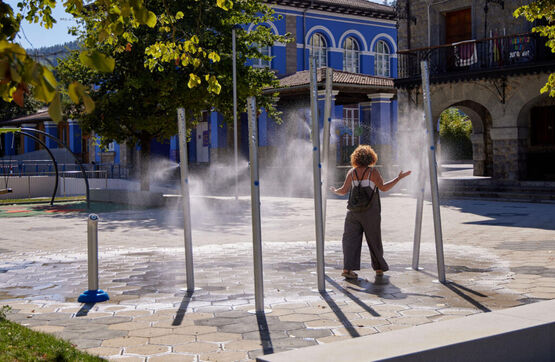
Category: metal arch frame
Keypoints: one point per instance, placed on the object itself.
(53, 161)
(59, 142)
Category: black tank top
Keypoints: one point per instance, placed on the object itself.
(360, 197)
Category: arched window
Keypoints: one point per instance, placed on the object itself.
(319, 50)
(265, 50)
(351, 55)
(382, 59)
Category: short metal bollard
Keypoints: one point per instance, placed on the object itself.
(93, 295)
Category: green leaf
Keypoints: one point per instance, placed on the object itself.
(55, 108)
(49, 77)
(179, 15)
(97, 61)
(73, 91)
(89, 103)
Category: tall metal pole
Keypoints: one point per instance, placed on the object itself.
(317, 167)
(234, 62)
(419, 210)
(326, 141)
(255, 207)
(433, 170)
(182, 127)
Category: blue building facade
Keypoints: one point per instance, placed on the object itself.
(356, 38)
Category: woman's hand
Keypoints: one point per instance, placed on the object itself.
(402, 174)
(333, 189)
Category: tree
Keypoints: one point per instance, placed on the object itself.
(20, 74)
(165, 68)
(10, 110)
(454, 132)
(544, 12)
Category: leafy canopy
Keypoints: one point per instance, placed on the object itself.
(20, 74)
(543, 11)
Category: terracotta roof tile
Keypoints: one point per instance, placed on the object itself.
(302, 78)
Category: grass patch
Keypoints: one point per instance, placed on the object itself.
(18, 343)
(40, 200)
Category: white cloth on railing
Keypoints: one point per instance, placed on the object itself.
(465, 53)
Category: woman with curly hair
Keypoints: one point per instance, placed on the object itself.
(364, 211)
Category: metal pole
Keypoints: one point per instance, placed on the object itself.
(29, 186)
(419, 211)
(93, 294)
(316, 166)
(92, 241)
(433, 171)
(234, 62)
(255, 207)
(326, 142)
(185, 198)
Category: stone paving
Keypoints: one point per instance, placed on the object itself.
(497, 254)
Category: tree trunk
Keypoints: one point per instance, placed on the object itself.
(145, 165)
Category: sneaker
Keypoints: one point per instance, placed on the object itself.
(350, 275)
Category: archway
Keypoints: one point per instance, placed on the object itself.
(482, 150)
(535, 120)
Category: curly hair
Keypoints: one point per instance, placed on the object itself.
(363, 156)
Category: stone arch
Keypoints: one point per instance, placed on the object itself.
(535, 162)
(328, 35)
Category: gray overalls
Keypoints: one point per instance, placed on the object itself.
(367, 221)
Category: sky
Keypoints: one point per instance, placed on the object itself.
(35, 36)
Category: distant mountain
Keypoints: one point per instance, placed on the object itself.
(49, 55)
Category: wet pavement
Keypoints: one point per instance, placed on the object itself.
(497, 255)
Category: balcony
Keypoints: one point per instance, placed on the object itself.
(474, 59)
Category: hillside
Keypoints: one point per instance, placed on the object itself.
(49, 55)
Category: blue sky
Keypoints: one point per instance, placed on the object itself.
(35, 36)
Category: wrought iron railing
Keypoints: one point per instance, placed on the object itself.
(476, 57)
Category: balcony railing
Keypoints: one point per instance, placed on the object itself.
(476, 58)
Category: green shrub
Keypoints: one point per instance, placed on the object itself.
(455, 129)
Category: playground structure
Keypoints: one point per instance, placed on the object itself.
(27, 132)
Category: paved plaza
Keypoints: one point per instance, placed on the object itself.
(498, 255)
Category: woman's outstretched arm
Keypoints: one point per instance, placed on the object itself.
(346, 185)
(378, 180)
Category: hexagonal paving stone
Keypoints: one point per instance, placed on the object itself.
(130, 326)
(223, 356)
(194, 330)
(147, 349)
(133, 313)
(331, 339)
(219, 337)
(172, 323)
(299, 317)
(243, 345)
(172, 339)
(323, 323)
(124, 342)
(126, 359)
(150, 332)
(197, 347)
(173, 357)
(104, 351)
(310, 333)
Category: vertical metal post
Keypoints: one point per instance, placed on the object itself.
(326, 142)
(433, 170)
(316, 167)
(64, 176)
(234, 62)
(93, 294)
(419, 210)
(92, 241)
(29, 186)
(182, 129)
(255, 207)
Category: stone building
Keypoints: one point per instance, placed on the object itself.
(489, 65)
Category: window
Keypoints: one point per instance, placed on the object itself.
(263, 63)
(351, 57)
(319, 50)
(381, 60)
